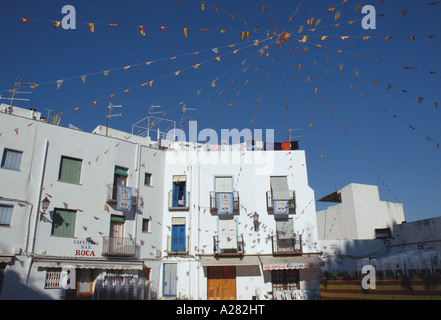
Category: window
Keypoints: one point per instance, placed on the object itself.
(285, 235)
(169, 280)
(284, 279)
(53, 278)
(145, 225)
(227, 241)
(179, 191)
(70, 170)
(63, 223)
(119, 179)
(148, 179)
(5, 215)
(383, 233)
(11, 159)
(178, 235)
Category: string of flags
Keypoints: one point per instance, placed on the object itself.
(280, 39)
(395, 116)
(176, 73)
(356, 73)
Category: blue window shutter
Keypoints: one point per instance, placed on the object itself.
(175, 194)
(178, 238)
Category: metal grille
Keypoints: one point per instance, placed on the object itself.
(53, 278)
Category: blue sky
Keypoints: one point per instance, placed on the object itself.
(363, 134)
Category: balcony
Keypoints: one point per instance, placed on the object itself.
(176, 204)
(235, 248)
(292, 201)
(118, 247)
(291, 246)
(213, 200)
(113, 195)
(177, 246)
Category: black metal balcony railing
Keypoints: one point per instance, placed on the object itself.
(119, 247)
(177, 246)
(176, 205)
(112, 195)
(236, 247)
(292, 201)
(214, 204)
(287, 246)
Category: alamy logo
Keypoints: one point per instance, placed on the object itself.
(68, 279)
(69, 20)
(368, 280)
(370, 20)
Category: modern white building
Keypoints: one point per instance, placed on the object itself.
(109, 214)
(359, 212)
(364, 230)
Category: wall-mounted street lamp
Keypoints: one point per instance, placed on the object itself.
(256, 222)
(44, 205)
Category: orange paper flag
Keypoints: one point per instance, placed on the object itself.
(142, 30)
(91, 26)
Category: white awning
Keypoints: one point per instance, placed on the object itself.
(279, 188)
(76, 264)
(223, 184)
(287, 263)
(209, 261)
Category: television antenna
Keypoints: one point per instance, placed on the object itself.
(184, 110)
(110, 115)
(19, 82)
(289, 130)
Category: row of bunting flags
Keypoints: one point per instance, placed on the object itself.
(310, 22)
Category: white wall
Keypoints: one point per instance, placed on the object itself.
(252, 181)
(359, 214)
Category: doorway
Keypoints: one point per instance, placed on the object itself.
(221, 283)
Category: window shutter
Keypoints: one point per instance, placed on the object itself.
(5, 215)
(64, 223)
(227, 234)
(11, 159)
(285, 229)
(224, 184)
(279, 188)
(70, 170)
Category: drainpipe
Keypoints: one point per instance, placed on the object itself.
(37, 211)
(199, 220)
(137, 166)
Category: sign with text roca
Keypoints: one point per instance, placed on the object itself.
(85, 248)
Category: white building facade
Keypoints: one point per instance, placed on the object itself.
(193, 224)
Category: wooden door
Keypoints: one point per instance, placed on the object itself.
(221, 283)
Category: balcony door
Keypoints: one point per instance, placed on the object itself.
(178, 235)
(179, 191)
(119, 179)
(116, 241)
